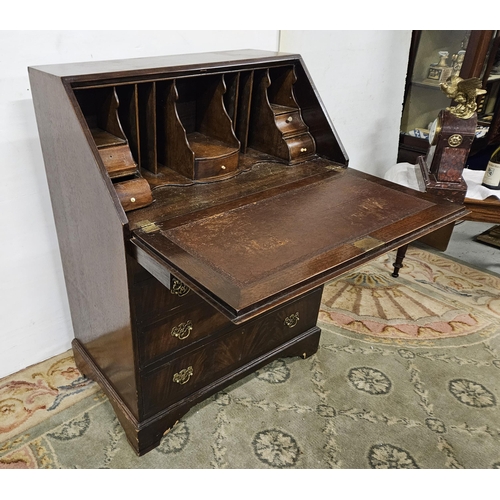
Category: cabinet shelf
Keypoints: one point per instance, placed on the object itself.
(104, 139)
(426, 85)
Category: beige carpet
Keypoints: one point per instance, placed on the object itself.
(407, 376)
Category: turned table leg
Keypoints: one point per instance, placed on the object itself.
(400, 255)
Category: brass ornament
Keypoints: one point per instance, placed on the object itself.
(464, 93)
(148, 226)
(292, 320)
(183, 376)
(179, 288)
(182, 331)
(368, 243)
(455, 140)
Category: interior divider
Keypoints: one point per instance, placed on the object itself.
(242, 120)
(147, 126)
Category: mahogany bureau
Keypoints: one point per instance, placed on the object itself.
(201, 202)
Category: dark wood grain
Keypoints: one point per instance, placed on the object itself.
(178, 331)
(118, 161)
(134, 194)
(487, 210)
(197, 252)
(89, 221)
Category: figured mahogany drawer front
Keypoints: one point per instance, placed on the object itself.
(301, 146)
(175, 380)
(179, 330)
(152, 301)
(263, 334)
(290, 123)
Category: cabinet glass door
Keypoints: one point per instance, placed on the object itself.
(488, 106)
(439, 55)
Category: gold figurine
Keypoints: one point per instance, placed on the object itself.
(464, 93)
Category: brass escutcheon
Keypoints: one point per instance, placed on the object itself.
(289, 119)
(182, 331)
(292, 320)
(179, 288)
(183, 376)
(455, 140)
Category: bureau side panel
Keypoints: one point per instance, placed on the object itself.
(90, 229)
(316, 117)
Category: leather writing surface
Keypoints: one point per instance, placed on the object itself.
(257, 251)
(250, 242)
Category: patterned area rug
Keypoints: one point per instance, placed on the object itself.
(407, 376)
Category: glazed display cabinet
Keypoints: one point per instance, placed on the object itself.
(434, 56)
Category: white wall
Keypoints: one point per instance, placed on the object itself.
(360, 76)
(34, 317)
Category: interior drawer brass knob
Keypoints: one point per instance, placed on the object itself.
(182, 331)
(289, 119)
(183, 376)
(292, 320)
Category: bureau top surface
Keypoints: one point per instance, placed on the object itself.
(158, 64)
(250, 256)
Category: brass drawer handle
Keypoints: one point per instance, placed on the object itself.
(179, 288)
(182, 331)
(303, 150)
(183, 376)
(292, 320)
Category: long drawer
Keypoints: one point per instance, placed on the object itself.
(265, 333)
(179, 330)
(184, 375)
(152, 301)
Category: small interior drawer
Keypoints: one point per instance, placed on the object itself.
(216, 167)
(289, 123)
(118, 160)
(301, 147)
